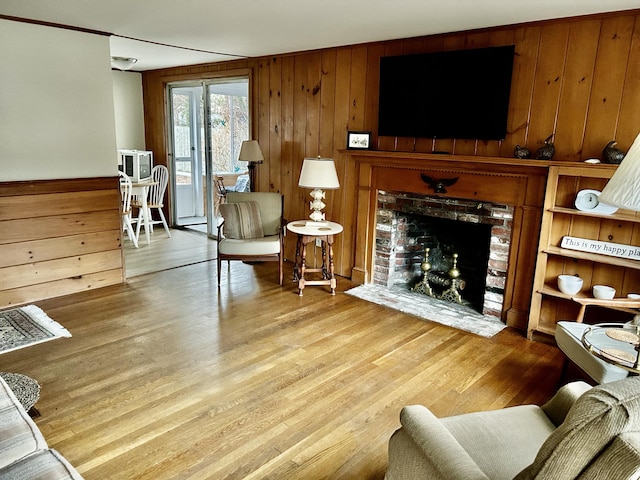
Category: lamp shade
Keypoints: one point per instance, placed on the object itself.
(250, 152)
(623, 190)
(319, 173)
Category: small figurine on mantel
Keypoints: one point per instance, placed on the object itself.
(521, 152)
(547, 150)
(611, 154)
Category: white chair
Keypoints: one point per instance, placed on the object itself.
(125, 209)
(155, 199)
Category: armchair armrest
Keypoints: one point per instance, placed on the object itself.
(440, 449)
(558, 407)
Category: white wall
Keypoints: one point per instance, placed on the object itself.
(129, 110)
(56, 104)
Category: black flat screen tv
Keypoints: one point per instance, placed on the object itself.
(458, 94)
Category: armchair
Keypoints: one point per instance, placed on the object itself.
(581, 433)
(251, 228)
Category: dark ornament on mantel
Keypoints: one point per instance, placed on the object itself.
(547, 150)
(521, 152)
(438, 186)
(611, 154)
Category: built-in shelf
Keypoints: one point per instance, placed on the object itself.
(560, 219)
(593, 257)
(623, 216)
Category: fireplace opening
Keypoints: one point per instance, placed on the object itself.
(468, 235)
(446, 240)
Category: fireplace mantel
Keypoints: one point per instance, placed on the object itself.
(506, 181)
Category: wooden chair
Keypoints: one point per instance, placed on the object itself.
(251, 228)
(155, 199)
(125, 211)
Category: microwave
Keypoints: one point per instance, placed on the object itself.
(137, 164)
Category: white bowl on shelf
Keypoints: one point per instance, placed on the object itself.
(569, 284)
(633, 296)
(604, 292)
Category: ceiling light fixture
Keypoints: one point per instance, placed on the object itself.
(123, 63)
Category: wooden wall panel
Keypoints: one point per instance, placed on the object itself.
(58, 237)
(609, 78)
(575, 78)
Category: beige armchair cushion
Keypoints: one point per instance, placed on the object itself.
(242, 220)
(270, 205)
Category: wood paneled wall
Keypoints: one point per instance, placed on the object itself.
(577, 78)
(58, 237)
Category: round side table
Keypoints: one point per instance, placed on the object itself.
(615, 343)
(308, 232)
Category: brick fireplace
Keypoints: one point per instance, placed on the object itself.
(478, 232)
(515, 187)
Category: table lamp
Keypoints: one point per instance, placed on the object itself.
(317, 174)
(623, 190)
(250, 152)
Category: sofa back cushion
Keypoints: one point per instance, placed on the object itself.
(594, 422)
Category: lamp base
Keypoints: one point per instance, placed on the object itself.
(311, 223)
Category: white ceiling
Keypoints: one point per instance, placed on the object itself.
(214, 30)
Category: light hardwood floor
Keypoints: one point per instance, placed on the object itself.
(168, 377)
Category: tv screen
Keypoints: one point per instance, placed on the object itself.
(459, 94)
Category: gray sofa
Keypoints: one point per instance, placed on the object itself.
(581, 433)
(24, 454)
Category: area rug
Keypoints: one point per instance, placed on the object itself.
(26, 326)
(427, 308)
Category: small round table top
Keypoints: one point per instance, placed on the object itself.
(308, 227)
(615, 343)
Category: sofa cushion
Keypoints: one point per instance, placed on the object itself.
(593, 423)
(19, 435)
(43, 465)
(242, 220)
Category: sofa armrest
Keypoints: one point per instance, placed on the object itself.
(558, 407)
(440, 449)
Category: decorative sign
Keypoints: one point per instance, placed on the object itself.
(604, 248)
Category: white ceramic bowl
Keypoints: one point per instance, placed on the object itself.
(633, 296)
(569, 284)
(604, 292)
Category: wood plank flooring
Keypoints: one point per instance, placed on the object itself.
(168, 377)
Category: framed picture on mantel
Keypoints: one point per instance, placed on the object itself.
(358, 140)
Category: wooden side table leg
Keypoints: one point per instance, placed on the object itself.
(296, 265)
(325, 260)
(303, 266)
(332, 277)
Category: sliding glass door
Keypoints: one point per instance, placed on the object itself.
(209, 122)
